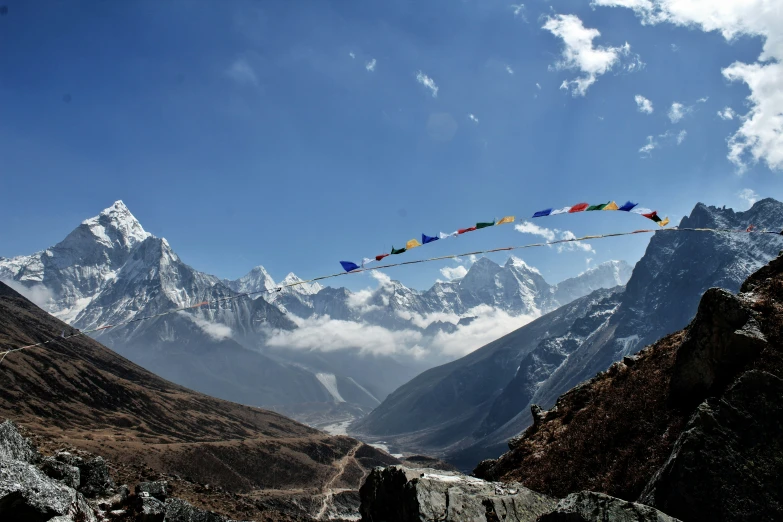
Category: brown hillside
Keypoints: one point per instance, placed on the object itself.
(76, 393)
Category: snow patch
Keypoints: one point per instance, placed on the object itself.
(329, 381)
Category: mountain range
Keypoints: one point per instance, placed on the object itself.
(467, 409)
(110, 270)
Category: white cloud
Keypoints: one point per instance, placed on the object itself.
(519, 10)
(548, 234)
(678, 112)
(472, 117)
(538, 86)
(453, 272)
(749, 196)
(428, 83)
(643, 104)
(727, 113)
(509, 70)
(216, 331)
(580, 53)
(703, 100)
(681, 136)
(760, 136)
(353, 56)
(37, 294)
(242, 72)
(646, 150)
(675, 48)
(370, 66)
(360, 300)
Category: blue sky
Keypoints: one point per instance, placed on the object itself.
(250, 132)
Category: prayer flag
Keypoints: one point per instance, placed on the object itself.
(367, 260)
(627, 206)
(578, 208)
(664, 222)
(378, 258)
(412, 244)
(349, 266)
(611, 206)
(397, 251)
(750, 228)
(507, 219)
(542, 213)
(563, 210)
(642, 211)
(444, 235)
(597, 207)
(427, 239)
(485, 225)
(463, 230)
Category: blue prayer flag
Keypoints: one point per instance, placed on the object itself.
(428, 239)
(349, 266)
(542, 213)
(628, 206)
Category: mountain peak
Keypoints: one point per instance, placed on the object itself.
(116, 223)
(304, 288)
(517, 262)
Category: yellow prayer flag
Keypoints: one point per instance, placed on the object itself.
(664, 222)
(611, 206)
(412, 244)
(507, 219)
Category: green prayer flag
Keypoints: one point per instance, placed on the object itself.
(598, 207)
(485, 225)
(397, 251)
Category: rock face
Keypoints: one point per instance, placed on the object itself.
(587, 506)
(65, 473)
(15, 447)
(157, 489)
(398, 494)
(180, 511)
(727, 463)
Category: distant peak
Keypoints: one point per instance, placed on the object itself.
(119, 219)
(516, 262)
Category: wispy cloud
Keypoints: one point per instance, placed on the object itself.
(472, 117)
(667, 138)
(370, 66)
(748, 196)
(217, 331)
(646, 150)
(681, 136)
(428, 82)
(703, 100)
(580, 53)
(38, 294)
(509, 70)
(453, 272)
(242, 72)
(727, 113)
(538, 86)
(353, 56)
(548, 234)
(760, 136)
(643, 104)
(678, 111)
(519, 11)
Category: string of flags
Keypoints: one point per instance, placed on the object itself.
(628, 206)
(750, 229)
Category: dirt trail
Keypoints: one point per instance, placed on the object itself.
(328, 491)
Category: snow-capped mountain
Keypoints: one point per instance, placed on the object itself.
(467, 409)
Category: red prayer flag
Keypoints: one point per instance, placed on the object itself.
(651, 215)
(378, 258)
(579, 207)
(750, 228)
(463, 230)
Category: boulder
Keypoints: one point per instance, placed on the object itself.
(722, 338)
(65, 473)
(588, 506)
(152, 509)
(116, 501)
(26, 494)
(180, 511)
(157, 489)
(15, 447)
(95, 479)
(726, 464)
(399, 494)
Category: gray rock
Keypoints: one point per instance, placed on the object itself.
(26, 494)
(116, 501)
(723, 337)
(157, 489)
(180, 511)
(15, 447)
(152, 510)
(398, 494)
(65, 473)
(95, 478)
(588, 506)
(726, 465)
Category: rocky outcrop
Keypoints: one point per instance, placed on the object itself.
(588, 506)
(158, 489)
(727, 463)
(15, 447)
(180, 511)
(65, 473)
(92, 479)
(398, 494)
(723, 337)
